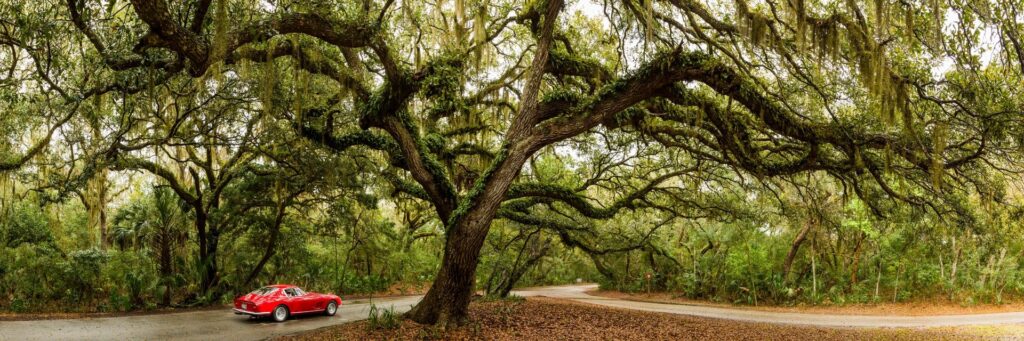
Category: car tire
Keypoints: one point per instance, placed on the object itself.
(332, 308)
(279, 314)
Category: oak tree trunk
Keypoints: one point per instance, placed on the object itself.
(447, 301)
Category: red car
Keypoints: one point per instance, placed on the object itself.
(282, 300)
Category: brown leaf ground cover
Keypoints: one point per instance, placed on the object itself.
(553, 319)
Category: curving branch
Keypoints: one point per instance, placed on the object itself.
(123, 162)
(536, 193)
(12, 163)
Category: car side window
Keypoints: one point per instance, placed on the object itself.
(299, 292)
(290, 292)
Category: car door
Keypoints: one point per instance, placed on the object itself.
(316, 301)
(293, 301)
(305, 302)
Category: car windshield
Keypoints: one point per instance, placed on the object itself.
(264, 291)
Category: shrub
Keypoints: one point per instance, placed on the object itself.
(365, 284)
(132, 276)
(82, 271)
(27, 224)
(19, 305)
(382, 318)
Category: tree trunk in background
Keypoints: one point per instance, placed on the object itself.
(165, 269)
(95, 200)
(800, 237)
(814, 275)
(208, 239)
(956, 261)
(212, 278)
(275, 232)
(602, 268)
(896, 288)
(508, 281)
(878, 281)
(97, 187)
(625, 278)
(856, 261)
(269, 252)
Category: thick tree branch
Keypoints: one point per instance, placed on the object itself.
(123, 162)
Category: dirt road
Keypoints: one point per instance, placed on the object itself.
(224, 325)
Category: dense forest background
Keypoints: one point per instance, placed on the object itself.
(842, 254)
(178, 153)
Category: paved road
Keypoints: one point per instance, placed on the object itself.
(578, 293)
(224, 325)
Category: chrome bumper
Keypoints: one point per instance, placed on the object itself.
(246, 312)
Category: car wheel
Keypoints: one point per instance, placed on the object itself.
(280, 313)
(332, 308)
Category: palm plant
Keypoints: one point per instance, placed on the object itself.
(156, 224)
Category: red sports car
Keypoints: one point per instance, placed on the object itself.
(282, 300)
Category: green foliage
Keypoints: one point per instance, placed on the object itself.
(856, 258)
(356, 284)
(25, 225)
(383, 319)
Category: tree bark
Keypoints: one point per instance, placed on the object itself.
(538, 249)
(275, 232)
(165, 267)
(447, 301)
(856, 261)
(800, 237)
(208, 238)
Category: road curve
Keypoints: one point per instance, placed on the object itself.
(578, 293)
(224, 325)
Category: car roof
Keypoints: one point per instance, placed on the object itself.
(281, 286)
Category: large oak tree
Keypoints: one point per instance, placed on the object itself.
(893, 99)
